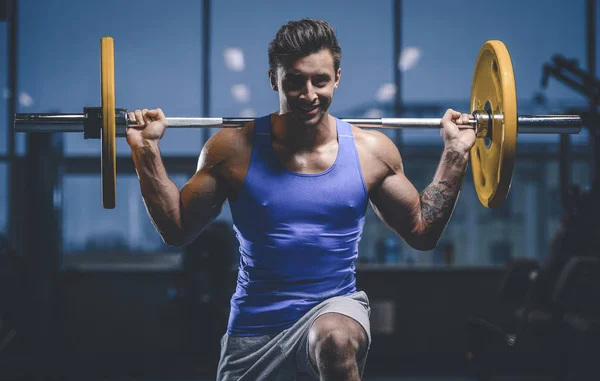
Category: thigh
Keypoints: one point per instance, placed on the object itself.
(354, 310)
(346, 329)
(254, 358)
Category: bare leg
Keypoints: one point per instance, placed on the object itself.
(334, 342)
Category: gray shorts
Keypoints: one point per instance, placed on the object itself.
(279, 357)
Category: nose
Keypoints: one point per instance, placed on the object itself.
(308, 93)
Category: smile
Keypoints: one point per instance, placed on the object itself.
(309, 110)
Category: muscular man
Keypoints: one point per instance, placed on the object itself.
(298, 182)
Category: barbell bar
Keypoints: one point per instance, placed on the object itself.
(493, 108)
(527, 124)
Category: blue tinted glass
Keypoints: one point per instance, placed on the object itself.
(4, 121)
(154, 66)
(89, 227)
(240, 61)
(439, 57)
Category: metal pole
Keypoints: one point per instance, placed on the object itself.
(589, 83)
(526, 124)
(564, 169)
(206, 64)
(398, 109)
(13, 232)
(591, 46)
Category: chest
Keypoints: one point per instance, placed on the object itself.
(280, 199)
(301, 162)
(313, 161)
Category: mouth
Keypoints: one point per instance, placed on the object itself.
(309, 110)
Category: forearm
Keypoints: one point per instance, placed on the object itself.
(160, 194)
(439, 198)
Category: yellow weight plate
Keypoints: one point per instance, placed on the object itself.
(493, 89)
(109, 127)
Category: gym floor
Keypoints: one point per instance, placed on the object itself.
(381, 378)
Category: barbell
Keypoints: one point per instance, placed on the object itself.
(493, 108)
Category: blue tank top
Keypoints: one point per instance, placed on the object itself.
(298, 235)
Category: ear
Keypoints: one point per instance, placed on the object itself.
(273, 80)
(338, 75)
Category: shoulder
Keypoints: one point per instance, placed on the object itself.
(226, 144)
(378, 147)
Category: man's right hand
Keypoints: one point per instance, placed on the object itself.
(152, 125)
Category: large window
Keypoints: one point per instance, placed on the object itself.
(439, 54)
(157, 64)
(448, 50)
(127, 228)
(160, 65)
(240, 60)
(476, 236)
(4, 93)
(89, 227)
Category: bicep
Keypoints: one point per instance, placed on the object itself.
(202, 199)
(393, 197)
(203, 196)
(204, 189)
(397, 202)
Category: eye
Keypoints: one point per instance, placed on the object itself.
(294, 81)
(321, 82)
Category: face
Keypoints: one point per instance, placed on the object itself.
(306, 87)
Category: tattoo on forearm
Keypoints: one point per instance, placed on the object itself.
(438, 202)
(454, 158)
(446, 183)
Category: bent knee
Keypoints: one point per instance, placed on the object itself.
(338, 340)
(337, 334)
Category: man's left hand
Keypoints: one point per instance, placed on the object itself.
(456, 138)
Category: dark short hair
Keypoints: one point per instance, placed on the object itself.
(300, 38)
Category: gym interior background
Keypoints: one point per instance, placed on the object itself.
(94, 293)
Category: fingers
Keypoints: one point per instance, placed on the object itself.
(145, 126)
(450, 115)
(455, 137)
(135, 119)
(145, 116)
(447, 122)
(157, 113)
(139, 117)
(454, 117)
(463, 119)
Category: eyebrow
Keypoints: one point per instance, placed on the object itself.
(300, 74)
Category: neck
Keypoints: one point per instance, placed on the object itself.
(297, 136)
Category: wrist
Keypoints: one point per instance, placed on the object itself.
(144, 145)
(457, 146)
